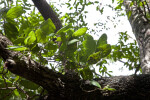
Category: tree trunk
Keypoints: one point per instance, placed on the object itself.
(71, 87)
(141, 28)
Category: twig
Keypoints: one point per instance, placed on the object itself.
(17, 87)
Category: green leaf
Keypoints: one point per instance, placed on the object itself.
(103, 52)
(20, 40)
(16, 93)
(58, 39)
(15, 12)
(94, 58)
(70, 50)
(3, 12)
(51, 46)
(48, 27)
(41, 37)
(64, 29)
(11, 31)
(17, 48)
(102, 40)
(89, 44)
(86, 73)
(30, 39)
(26, 40)
(129, 14)
(96, 2)
(73, 41)
(64, 42)
(17, 78)
(80, 32)
(106, 49)
(35, 49)
(108, 88)
(118, 7)
(95, 83)
(28, 84)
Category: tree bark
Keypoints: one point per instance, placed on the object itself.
(141, 28)
(47, 12)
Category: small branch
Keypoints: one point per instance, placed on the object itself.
(27, 96)
(7, 95)
(11, 88)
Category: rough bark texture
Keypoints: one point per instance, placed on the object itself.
(70, 86)
(141, 28)
(47, 12)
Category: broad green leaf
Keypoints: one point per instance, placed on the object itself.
(28, 84)
(80, 32)
(89, 44)
(15, 12)
(95, 83)
(16, 93)
(70, 50)
(33, 37)
(59, 39)
(64, 29)
(30, 39)
(35, 49)
(48, 27)
(64, 42)
(41, 37)
(63, 47)
(17, 78)
(52, 34)
(73, 41)
(102, 40)
(20, 40)
(106, 49)
(17, 48)
(51, 46)
(103, 52)
(26, 32)
(86, 73)
(11, 31)
(95, 57)
(26, 40)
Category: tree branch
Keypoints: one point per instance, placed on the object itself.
(71, 87)
(47, 12)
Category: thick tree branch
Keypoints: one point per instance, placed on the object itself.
(71, 87)
(47, 12)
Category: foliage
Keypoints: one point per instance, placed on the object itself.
(78, 51)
